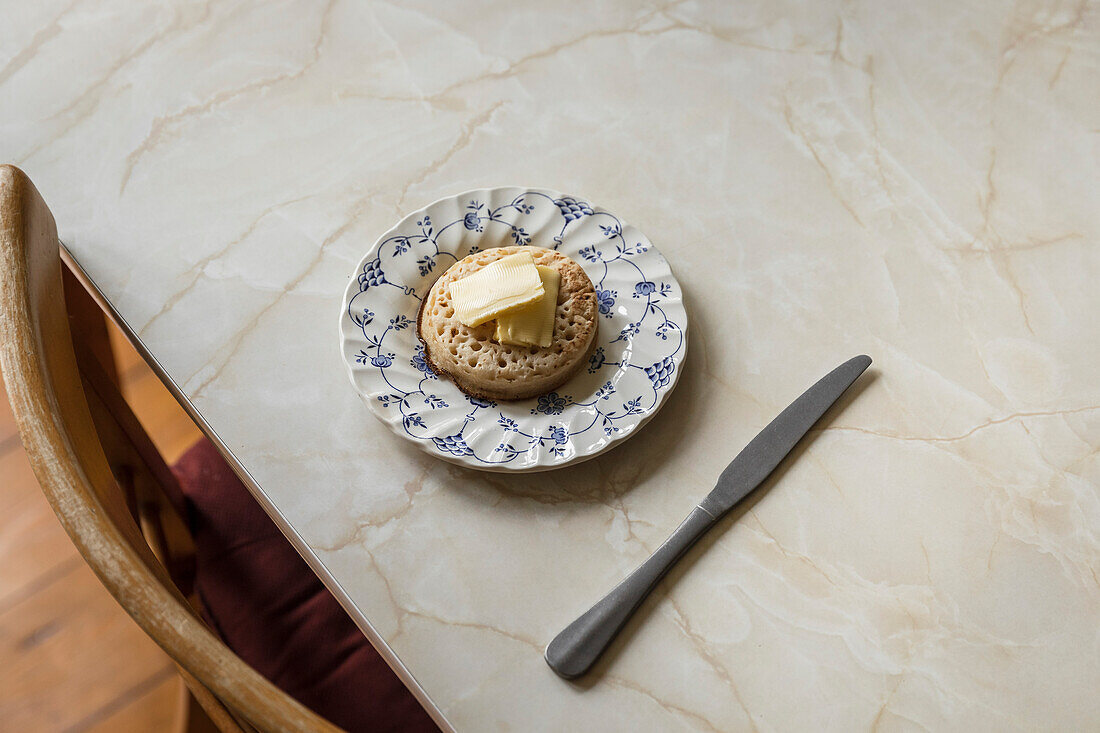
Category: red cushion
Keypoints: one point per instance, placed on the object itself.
(270, 608)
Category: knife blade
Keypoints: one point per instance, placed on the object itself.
(579, 645)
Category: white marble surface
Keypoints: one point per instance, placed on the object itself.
(917, 181)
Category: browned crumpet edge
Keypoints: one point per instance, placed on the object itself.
(566, 376)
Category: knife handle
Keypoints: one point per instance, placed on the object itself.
(578, 646)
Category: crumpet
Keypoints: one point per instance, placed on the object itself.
(480, 366)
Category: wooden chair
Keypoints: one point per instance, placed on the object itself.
(101, 473)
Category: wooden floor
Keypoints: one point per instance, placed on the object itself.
(70, 657)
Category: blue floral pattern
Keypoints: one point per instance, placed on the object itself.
(605, 301)
(550, 404)
(641, 339)
(420, 363)
(572, 208)
(453, 444)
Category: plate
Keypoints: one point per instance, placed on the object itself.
(640, 344)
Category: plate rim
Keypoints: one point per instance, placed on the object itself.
(426, 446)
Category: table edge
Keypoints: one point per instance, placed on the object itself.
(295, 539)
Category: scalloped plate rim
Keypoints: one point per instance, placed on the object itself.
(351, 290)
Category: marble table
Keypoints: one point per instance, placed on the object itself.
(917, 181)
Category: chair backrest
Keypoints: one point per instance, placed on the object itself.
(76, 429)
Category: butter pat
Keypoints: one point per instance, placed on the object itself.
(510, 282)
(532, 324)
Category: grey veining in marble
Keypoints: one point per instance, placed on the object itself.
(913, 180)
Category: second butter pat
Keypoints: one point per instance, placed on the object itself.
(510, 282)
(533, 324)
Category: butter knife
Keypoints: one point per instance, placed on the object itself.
(580, 644)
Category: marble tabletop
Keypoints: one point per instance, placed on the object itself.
(916, 181)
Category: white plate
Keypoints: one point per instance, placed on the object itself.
(641, 341)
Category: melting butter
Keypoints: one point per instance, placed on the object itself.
(510, 282)
(532, 324)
